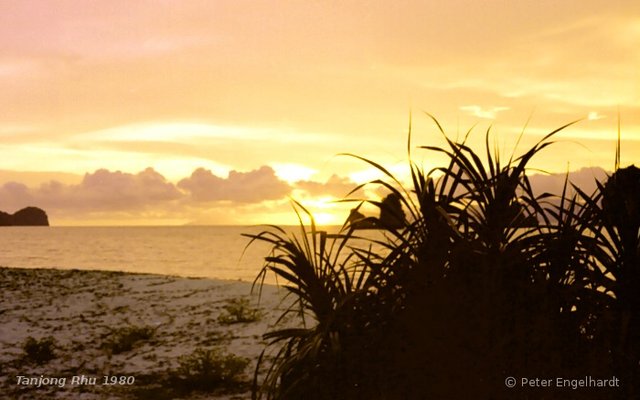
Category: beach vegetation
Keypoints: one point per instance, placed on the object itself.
(124, 339)
(215, 337)
(473, 277)
(208, 369)
(238, 310)
(39, 351)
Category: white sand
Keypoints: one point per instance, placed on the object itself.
(81, 310)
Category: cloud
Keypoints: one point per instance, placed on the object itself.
(477, 111)
(584, 178)
(108, 197)
(335, 186)
(124, 190)
(130, 198)
(243, 187)
(102, 190)
(15, 195)
(594, 116)
(105, 190)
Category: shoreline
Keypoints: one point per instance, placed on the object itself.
(88, 314)
(116, 271)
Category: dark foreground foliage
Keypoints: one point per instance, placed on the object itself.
(482, 278)
(39, 351)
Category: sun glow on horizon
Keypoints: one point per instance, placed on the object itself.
(323, 218)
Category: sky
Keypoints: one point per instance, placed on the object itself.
(172, 112)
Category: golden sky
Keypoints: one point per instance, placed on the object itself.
(185, 111)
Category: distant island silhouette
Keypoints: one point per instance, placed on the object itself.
(28, 216)
(391, 215)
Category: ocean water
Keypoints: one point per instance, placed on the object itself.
(193, 251)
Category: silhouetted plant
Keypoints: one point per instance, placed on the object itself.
(614, 216)
(475, 278)
(333, 294)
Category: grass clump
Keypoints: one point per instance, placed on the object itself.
(209, 369)
(39, 351)
(206, 370)
(126, 338)
(238, 310)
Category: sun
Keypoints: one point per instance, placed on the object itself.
(324, 218)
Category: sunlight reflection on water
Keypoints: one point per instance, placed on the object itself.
(199, 251)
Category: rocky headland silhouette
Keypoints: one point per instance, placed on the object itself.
(28, 216)
(391, 215)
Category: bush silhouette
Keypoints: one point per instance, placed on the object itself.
(477, 278)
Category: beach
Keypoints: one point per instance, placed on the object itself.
(75, 334)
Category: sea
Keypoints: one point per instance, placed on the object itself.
(219, 252)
